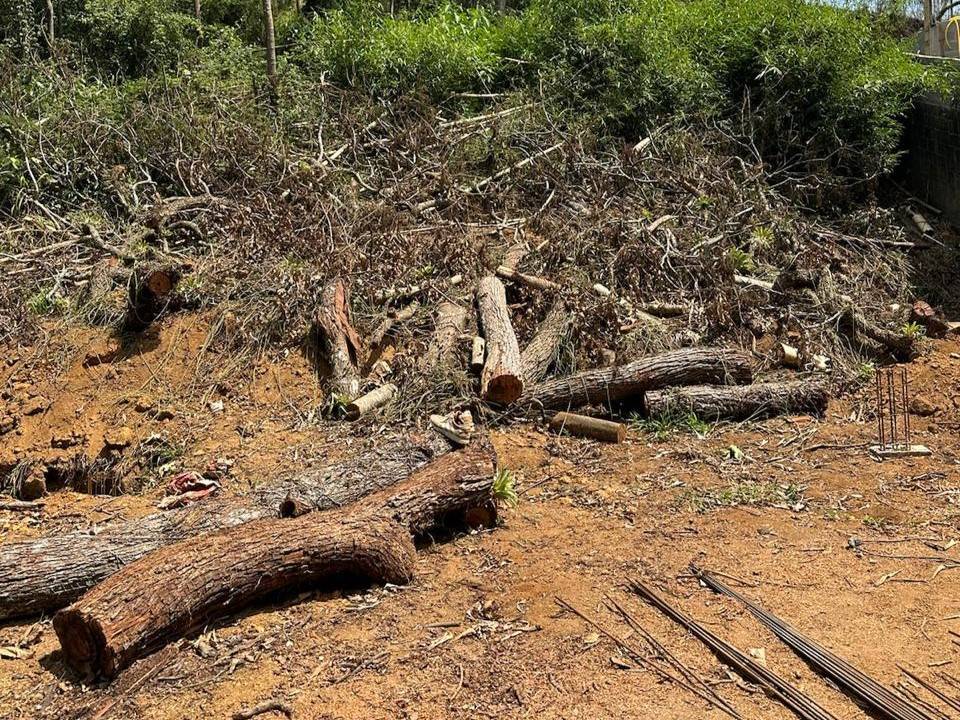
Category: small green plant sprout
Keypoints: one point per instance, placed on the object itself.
(734, 453)
(761, 238)
(336, 406)
(504, 491)
(47, 302)
(913, 330)
(740, 260)
(866, 372)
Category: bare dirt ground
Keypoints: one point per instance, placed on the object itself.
(479, 633)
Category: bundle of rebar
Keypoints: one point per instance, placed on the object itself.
(854, 682)
(774, 685)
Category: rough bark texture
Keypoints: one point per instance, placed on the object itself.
(338, 342)
(588, 427)
(182, 587)
(711, 402)
(502, 378)
(48, 573)
(605, 386)
(451, 321)
(539, 355)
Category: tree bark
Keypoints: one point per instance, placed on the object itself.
(537, 283)
(450, 323)
(338, 342)
(48, 573)
(712, 403)
(606, 386)
(539, 355)
(196, 11)
(270, 47)
(589, 427)
(51, 21)
(183, 587)
(501, 381)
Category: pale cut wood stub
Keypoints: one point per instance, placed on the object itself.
(607, 386)
(338, 342)
(371, 401)
(501, 380)
(47, 573)
(184, 586)
(712, 403)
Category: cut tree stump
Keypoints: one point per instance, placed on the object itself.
(450, 323)
(588, 427)
(606, 386)
(183, 587)
(338, 343)
(501, 381)
(539, 355)
(47, 573)
(712, 403)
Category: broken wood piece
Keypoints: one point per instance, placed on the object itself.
(339, 343)
(263, 708)
(662, 309)
(540, 354)
(935, 324)
(789, 356)
(49, 572)
(533, 281)
(501, 380)
(606, 386)
(752, 281)
(920, 221)
(738, 402)
(20, 505)
(450, 322)
(371, 401)
(588, 427)
(185, 586)
(392, 319)
(478, 349)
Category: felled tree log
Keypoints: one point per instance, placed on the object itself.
(712, 403)
(338, 342)
(501, 381)
(606, 386)
(182, 587)
(450, 323)
(48, 573)
(538, 356)
(588, 427)
(150, 290)
(371, 401)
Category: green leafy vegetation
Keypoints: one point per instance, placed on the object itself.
(746, 492)
(503, 488)
(663, 427)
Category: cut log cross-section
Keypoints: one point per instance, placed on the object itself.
(540, 354)
(48, 573)
(606, 386)
(501, 381)
(182, 587)
(712, 403)
(339, 343)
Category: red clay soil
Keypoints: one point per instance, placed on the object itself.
(479, 632)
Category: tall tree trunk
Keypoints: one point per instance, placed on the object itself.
(606, 386)
(48, 573)
(182, 587)
(51, 19)
(270, 45)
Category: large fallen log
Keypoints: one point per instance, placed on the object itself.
(501, 381)
(338, 342)
(606, 386)
(50, 572)
(539, 355)
(712, 402)
(182, 587)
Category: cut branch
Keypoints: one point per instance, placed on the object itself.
(501, 381)
(542, 351)
(183, 587)
(712, 403)
(606, 386)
